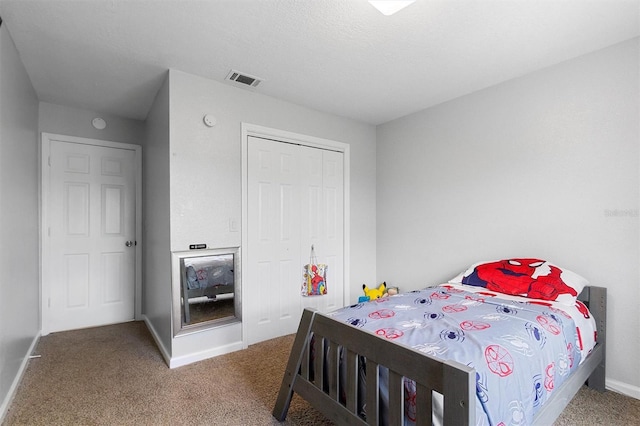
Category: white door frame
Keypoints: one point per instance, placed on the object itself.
(45, 285)
(300, 139)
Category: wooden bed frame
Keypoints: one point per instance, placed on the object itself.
(337, 399)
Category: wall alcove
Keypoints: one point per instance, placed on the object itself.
(206, 289)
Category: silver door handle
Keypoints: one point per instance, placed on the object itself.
(128, 243)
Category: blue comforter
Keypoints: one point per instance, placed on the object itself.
(521, 350)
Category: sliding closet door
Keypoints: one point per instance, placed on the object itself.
(291, 205)
(271, 286)
(322, 220)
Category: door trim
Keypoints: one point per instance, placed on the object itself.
(248, 129)
(46, 139)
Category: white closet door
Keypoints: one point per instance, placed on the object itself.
(272, 284)
(295, 199)
(323, 221)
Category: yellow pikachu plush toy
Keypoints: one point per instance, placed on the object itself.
(375, 293)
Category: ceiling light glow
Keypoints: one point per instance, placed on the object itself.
(389, 7)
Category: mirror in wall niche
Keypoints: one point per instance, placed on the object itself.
(206, 289)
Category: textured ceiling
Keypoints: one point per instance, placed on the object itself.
(338, 56)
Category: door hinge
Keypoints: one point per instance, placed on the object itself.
(49, 161)
(49, 302)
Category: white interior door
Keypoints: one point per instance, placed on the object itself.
(291, 205)
(91, 236)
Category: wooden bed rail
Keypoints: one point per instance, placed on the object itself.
(337, 346)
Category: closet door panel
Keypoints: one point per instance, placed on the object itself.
(311, 216)
(333, 228)
(273, 277)
(327, 217)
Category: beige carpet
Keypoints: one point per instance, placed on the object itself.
(115, 375)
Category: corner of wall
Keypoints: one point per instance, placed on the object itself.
(4, 407)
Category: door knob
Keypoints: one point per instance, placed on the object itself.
(128, 243)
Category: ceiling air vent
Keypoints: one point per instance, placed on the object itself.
(243, 79)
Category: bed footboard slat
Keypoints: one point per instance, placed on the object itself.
(396, 399)
(424, 409)
(373, 392)
(306, 361)
(459, 387)
(333, 361)
(318, 360)
(351, 391)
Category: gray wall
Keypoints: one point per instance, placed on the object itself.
(206, 173)
(208, 160)
(545, 165)
(63, 120)
(19, 223)
(156, 221)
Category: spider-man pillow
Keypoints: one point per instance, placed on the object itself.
(533, 278)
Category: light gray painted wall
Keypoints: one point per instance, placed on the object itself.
(533, 167)
(63, 120)
(207, 161)
(19, 223)
(206, 170)
(156, 221)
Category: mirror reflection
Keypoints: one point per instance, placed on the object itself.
(208, 290)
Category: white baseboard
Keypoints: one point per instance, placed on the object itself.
(161, 347)
(16, 381)
(174, 362)
(623, 388)
(179, 361)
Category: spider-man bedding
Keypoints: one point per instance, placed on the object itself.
(521, 348)
(209, 276)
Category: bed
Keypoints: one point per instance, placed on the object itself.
(378, 373)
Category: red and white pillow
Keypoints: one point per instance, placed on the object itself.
(527, 277)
